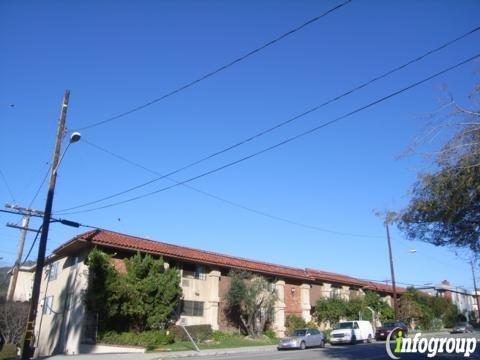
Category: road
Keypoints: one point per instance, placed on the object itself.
(375, 351)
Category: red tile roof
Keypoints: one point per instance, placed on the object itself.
(370, 285)
(121, 241)
(333, 277)
(127, 242)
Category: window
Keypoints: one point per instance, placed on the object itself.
(53, 271)
(200, 273)
(74, 260)
(197, 272)
(336, 293)
(192, 308)
(47, 305)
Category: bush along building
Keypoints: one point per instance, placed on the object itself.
(67, 324)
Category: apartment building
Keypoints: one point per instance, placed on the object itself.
(63, 324)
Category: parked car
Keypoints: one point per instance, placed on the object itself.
(303, 338)
(387, 327)
(462, 327)
(352, 332)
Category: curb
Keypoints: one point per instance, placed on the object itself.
(229, 351)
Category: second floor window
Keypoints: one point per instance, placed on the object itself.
(196, 272)
(53, 271)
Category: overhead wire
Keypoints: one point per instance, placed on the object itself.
(286, 141)
(218, 70)
(9, 189)
(296, 117)
(232, 203)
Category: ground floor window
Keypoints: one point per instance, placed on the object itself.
(192, 308)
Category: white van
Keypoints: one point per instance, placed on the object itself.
(352, 332)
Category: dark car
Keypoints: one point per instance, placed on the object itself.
(462, 327)
(383, 331)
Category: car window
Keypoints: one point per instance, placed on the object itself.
(344, 325)
(300, 333)
(355, 325)
(314, 332)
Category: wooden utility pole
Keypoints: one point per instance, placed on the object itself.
(392, 271)
(27, 213)
(18, 261)
(29, 332)
(472, 264)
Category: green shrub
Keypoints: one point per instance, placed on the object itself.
(270, 334)
(199, 333)
(312, 325)
(294, 322)
(220, 336)
(149, 339)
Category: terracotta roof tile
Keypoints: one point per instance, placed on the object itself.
(121, 241)
(329, 276)
(117, 240)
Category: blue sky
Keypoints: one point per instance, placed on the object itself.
(116, 55)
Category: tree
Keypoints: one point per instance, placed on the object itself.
(444, 209)
(153, 292)
(13, 321)
(250, 301)
(102, 297)
(293, 322)
(373, 300)
(330, 309)
(144, 298)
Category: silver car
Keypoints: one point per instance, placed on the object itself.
(303, 338)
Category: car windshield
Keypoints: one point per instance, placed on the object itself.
(344, 325)
(461, 324)
(299, 333)
(389, 325)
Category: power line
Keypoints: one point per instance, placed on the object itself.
(9, 189)
(301, 115)
(216, 71)
(232, 203)
(288, 140)
(40, 186)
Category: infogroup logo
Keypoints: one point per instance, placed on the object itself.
(431, 345)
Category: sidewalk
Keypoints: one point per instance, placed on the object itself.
(167, 355)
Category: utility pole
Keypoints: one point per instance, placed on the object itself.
(29, 332)
(27, 213)
(392, 271)
(18, 262)
(475, 289)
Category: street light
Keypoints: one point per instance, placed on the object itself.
(42, 247)
(75, 137)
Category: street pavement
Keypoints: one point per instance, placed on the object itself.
(375, 351)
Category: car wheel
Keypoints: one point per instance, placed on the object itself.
(369, 339)
(302, 345)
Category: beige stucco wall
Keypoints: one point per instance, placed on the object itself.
(279, 309)
(23, 289)
(207, 291)
(59, 330)
(305, 302)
